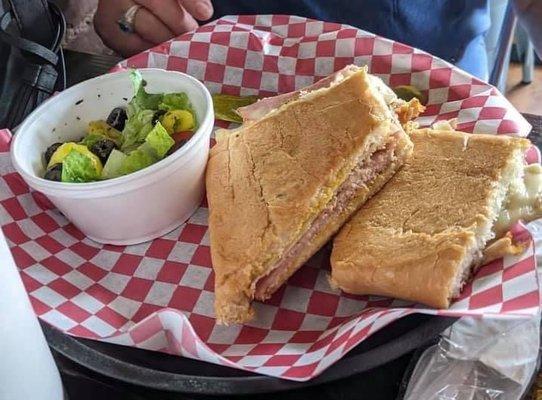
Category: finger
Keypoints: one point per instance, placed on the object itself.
(151, 28)
(125, 44)
(202, 10)
(105, 23)
(131, 45)
(171, 14)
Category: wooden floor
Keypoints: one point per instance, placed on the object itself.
(527, 98)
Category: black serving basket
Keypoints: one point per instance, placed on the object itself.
(164, 372)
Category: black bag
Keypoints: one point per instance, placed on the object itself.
(31, 59)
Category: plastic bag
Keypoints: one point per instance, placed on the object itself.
(478, 359)
(481, 359)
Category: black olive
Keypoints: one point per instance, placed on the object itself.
(50, 150)
(54, 173)
(157, 115)
(102, 148)
(117, 118)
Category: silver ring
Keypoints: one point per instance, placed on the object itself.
(126, 22)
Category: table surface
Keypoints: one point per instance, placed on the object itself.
(536, 133)
(81, 66)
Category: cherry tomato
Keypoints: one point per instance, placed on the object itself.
(180, 139)
(183, 135)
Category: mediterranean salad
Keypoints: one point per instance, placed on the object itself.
(151, 127)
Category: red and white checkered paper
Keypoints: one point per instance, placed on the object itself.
(159, 295)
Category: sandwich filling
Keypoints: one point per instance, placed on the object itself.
(360, 176)
(523, 201)
(261, 108)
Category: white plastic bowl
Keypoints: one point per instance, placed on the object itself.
(133, 208)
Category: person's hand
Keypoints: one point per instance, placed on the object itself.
(155, 22)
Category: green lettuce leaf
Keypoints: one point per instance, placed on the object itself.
(139, 158)
(114, 164)
(142, 100)
(174, 101)
(136, 129)
(77, 167)
(159, 140)
(142, 143)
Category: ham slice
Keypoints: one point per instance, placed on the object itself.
(405, 110)
(362, 174)
(259, 109)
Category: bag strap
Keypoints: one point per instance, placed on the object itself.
(23, 44)
(43, 70)
(45, 78)
(34, 21)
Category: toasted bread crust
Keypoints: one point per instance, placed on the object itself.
(403, 151)
(269, 179)
(419, 267)
(411, 238)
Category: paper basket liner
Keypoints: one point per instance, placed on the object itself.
(159, 295)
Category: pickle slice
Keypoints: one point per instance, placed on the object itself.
(407, 93)
(225, 106)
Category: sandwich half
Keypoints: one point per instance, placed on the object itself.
(281, 185)
(422, 235)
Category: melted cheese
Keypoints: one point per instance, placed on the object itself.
(523, 201)
(389, 95)
(445, 125)
(502, 247)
